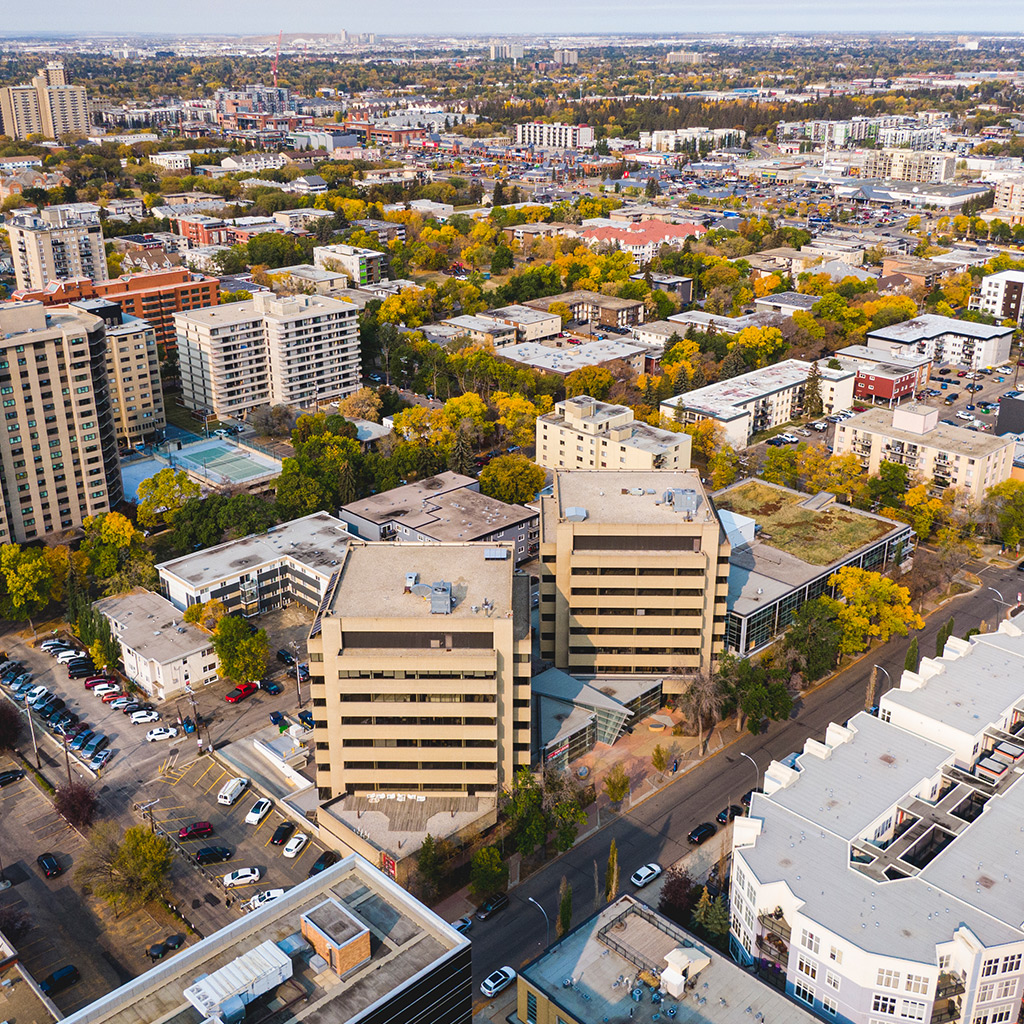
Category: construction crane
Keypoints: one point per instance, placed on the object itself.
(277, 56)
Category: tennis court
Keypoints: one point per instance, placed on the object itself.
(217, 460)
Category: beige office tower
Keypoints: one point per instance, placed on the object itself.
(19, 111)
(634, 575)
(420, 665)
(49, 106)
(58, 244)
(59, 464)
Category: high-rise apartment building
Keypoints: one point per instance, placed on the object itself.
(420, 663)
(296, 350)
(555, 135)
(926, 166)
(49, 106)
(57, 244)
(59, 464)
(1001, 295)
(133, 371)
(634, 575)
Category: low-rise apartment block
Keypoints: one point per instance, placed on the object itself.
(926, 166)
(159, 652)
(443, 509)
(945, 340)
(634, 575)
(945, 456)
(294, 350)
(753, 402)
(363, 266)
(483, 329)
(292, 562)
(875, 871)
(583, 433)
(1000, 295)
(529, 324)
(420, 663)
(566, 360)
(603, 309)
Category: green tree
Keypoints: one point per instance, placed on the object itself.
(242, 656)
(488, 873)
(616, 784)
(889, 487)
(717, 922)
(105, 648)
(780, 467)
(702, 911)
(564, 922)
(594, 381)
(512, 478)
(913, 657)
(162, 496)
(659, 758)
(125, 870)
(945, 632)
(27, 577)
(527, 818)
(813, 638)
(813, 405)
(460, 457)
(428, 863)
(502, 260)
(611, 875)
(568, 816)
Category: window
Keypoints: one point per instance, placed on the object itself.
(531, 1008)
(883, 1004)
(803, 992)
(810, 941)
(989, 967)
(1011, 963)
(1000, 1015)
(829, 1006)
(985, 991)
(944, 962)
(1006, 988)
(887, 978)
(917, 983)
(836, 955)
(832, 980)
(912, 1010)
(808, 967)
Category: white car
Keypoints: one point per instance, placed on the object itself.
(242, 876)
(104, 688)
(645, 875)
(264, 897)
(961, 415)
(165, 732)
(789, 438)
(143, 717)
(121, 702)
(496, 981)
(295, 845)
(258, 811)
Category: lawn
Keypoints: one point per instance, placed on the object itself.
(817, 537)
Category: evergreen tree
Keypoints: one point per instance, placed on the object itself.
(717, 922)
(945, 632)
(428, 861)
(681, 380)
(611, 877)
(913, 656)
(702, 912)
(564, 922)
(460, 458)
(698, 380)
(498, 198)
(813, 405)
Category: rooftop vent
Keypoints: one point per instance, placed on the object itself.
(496, 554)
(575, 514)
(411, 579)
(441, 599)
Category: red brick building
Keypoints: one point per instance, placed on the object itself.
(886, 382)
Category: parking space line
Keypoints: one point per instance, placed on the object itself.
(216, 781)
(209, 767)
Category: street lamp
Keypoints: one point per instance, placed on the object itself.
(886, 674)
(757, 771)
(547, 923)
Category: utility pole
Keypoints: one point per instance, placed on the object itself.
(148, 809)
(32, 733)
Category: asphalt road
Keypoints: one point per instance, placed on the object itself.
(657, 829)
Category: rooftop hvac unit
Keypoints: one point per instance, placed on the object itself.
(575, 514)
(496, 554)
(226, 992)
(441, 599)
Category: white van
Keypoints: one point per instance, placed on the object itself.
(232, 790)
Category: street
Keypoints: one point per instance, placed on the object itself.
(656, 830)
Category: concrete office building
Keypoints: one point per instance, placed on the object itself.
(924, 166)
(55, 245)
(420, 662)
(133, 371)
(946, 340)
(160, 653)
(296, 350)
(875, 871)
(349, 946)
(583, 433)
(292, 562)
(634, 575)
(363, 266)
(555, 135)
(942, 455)
(52, 485)
(753, 402)
(443, 509)
(1000, 295)
(49, 106)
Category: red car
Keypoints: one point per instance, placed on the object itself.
(197, 830)
(109, 698)
(93, 681)
(240, 693)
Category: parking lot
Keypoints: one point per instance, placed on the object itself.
(993, 387)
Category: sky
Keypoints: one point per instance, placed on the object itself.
(400, 17)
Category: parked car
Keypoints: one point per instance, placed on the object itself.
(463, 924)
(282, 833)
(242, 876)
(164, 732)
(295, 845)
(109, 698)
(100, 758)
(240, 692)
(701, 834)
(212, 855)
(49, 865)
(13, 775)
(258, 811)
(497, 981)
(492, 905)
(263, 898)
(120, 703)
(272, 688)
(144, 717)
(95, 681)
(726, 815)
(645, 875)
(60, 979)
(197, 830)
(286, 657)
(104, 688)
(325, 860)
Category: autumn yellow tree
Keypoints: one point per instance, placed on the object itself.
(363, 405)
(761, 346)
(518, 415)
(869, 607)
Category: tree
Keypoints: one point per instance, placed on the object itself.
(724, 467)
(527, 819)
(616, 784)
(488, 873)
(717, 922)
(428, 863)
(242, 656)
(732, 365)
(105, 648)
(701, 700)
(213, 612)
(460, 456)
(870, 606)
(363, 405)
(194, 612)
(659, 758)
(162, 496)
(512, 478)
(913, 657)
(568, 817)
(564, 922)
(593, 381)
(77, 803)
(611, 875)
(780, 467)
(125, 870)
(15, 921)
(502, 260)
(945, 632)
(10, 725)
(27, 578)
(760, 345)
(814, 637)
(678, 895)
(813, 405)
(701, 912)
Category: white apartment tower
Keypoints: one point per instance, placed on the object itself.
(554, 136)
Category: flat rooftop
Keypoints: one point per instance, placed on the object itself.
(483, 324)
(575, 357)
(373, 580)
(446, 507)
(316, 541)
(957, 440)
(405, 939)
(522, 314)
(624, 496)
(151, 626)
(931, 325)
(601, 973)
